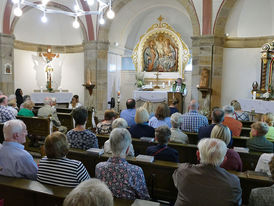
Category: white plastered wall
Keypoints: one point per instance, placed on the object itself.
(72, 72)
(242, 66)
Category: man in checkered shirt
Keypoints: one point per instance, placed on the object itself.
(193, 120)
(5, 113)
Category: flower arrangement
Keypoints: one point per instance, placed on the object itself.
(139, 79)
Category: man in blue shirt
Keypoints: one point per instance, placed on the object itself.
(192, 120)
(129, 113)
(14, 160)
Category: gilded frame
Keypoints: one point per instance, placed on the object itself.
(167, 30)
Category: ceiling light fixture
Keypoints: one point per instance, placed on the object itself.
(99, 10)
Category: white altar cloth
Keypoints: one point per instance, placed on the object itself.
(61, 97)
(151, 96)
(260, 106)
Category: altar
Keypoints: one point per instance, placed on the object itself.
(61, 97)
(260, 106)
(157, 97)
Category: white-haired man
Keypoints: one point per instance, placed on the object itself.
(234, 125)
(192, 120)
(47, 111)
(207, 183)
(125, 180)
(14, 160)
(5, 113)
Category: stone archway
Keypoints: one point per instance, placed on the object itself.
(222, 16)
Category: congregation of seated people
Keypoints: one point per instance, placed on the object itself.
(117, 178)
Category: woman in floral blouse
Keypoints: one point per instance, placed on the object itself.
(126, 181)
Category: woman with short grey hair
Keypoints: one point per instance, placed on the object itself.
(92, 192)
(176, 134)
(132, 185)
(118, 123)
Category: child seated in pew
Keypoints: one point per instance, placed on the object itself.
(258, 142)
(268, 118)
(162, 151)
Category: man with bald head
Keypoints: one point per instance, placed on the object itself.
(5, 113)
(192, 120)
(14, 160)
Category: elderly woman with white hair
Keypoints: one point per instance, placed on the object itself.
(126, 181)
(118, 123)
(232, 159)
(207, 183)
(92, 192)
(141, 128)
(176, 134)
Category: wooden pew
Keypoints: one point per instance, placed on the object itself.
(17, 191)
(159, 175)
(36, 125)
(38, 130)
(24, 192)
(247, 123)
(187, 152)
(1, 133)
(66, 120)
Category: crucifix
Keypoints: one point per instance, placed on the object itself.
(157, 80)
(48, 57)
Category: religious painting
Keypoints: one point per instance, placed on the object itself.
(160, 54)
(7, 69)
(161, 50)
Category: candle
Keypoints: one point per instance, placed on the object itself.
(164, 85)
(169, 83)
(150, 84)
(254, 95)
(41, 89)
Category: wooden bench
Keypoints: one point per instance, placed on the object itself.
(24, 192)
(158, 175)
(66, 120)
(187, 152)
(17, 191)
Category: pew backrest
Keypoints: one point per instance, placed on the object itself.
(36, 126)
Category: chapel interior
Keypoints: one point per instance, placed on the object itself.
(227, 45)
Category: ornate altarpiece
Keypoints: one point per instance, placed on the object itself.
(161, 49)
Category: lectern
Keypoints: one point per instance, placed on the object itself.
(179, 97)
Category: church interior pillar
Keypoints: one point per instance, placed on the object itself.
(96, 56)
(207, 53)
(6, 63)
